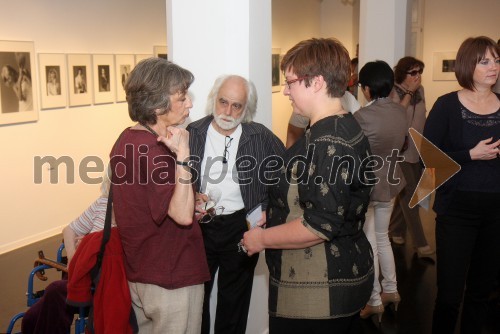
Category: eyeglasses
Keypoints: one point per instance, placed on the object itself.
(415, 72)
(288, 83)
(227, 144)
(211, 213)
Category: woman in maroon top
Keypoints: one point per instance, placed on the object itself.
(165, 261)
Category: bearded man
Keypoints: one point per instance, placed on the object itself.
(232, 159)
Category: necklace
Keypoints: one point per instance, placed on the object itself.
(150, 130)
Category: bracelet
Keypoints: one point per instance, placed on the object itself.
(184, 163)
(409, 92)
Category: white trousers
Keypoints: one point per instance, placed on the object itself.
(376, 229)
(160, 311)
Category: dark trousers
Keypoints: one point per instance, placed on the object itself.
(50, 314)
(236, 270)
(468, 261)
(345, 325)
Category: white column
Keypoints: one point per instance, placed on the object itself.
(216, 37)
(383, 30)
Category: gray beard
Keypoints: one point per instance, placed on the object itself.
(225, 125)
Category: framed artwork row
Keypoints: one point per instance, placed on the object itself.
(84, 79)
(64, 79)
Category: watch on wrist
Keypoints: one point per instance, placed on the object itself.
(184, 163)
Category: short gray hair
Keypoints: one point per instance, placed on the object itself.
(150, 85)
(250, 105)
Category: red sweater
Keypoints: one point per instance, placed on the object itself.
(112, 303)
(157, 250)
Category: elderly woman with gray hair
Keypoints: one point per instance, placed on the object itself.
(165, 262)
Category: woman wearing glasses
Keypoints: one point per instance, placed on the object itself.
(408, 92)
(320, 261)
(165, 262)
(466, 126)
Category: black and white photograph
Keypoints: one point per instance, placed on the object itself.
(53, 74)
(103, 71)
(53, 80)
(444, 66)
(80, 79)
(104, 78)
(123, 66)
(17, 87)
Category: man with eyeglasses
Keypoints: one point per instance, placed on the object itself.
(228, 150)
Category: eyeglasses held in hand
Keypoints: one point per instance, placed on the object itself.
(415, 72)
(227, 144)
(288, 83)
(211, 213)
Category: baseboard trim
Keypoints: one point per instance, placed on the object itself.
(11, 246)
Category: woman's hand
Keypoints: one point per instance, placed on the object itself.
(177, 141)
(414, 83)
(253, 241)
(485, 150)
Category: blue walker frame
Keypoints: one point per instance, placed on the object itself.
(32, 298)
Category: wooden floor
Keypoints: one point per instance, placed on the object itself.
(416, 284)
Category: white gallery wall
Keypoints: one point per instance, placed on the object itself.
(296, 20)
(446, 25)
(30, 212)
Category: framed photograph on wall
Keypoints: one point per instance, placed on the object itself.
(123, 65)
(444, 66)
(160, 51)
(53, 80)
(18, 87)
(104, 78)
(275, 70)
(140, 57)
(80, 79)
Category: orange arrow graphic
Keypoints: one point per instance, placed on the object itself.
(439, 168)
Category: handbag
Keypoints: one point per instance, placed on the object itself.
(95, 272)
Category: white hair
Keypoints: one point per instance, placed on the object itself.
(250, 105)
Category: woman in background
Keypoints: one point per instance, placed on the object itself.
(466, 126)
(408, 92)
(384, 123)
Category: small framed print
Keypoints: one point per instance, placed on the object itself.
(104, 78)
(275, 70)
(80, 79)
(443, 68)
(140, 57)
(53, 80)
(18, 86)
(123, 65)
(160, 51)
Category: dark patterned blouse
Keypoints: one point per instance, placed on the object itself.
(328, 187)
